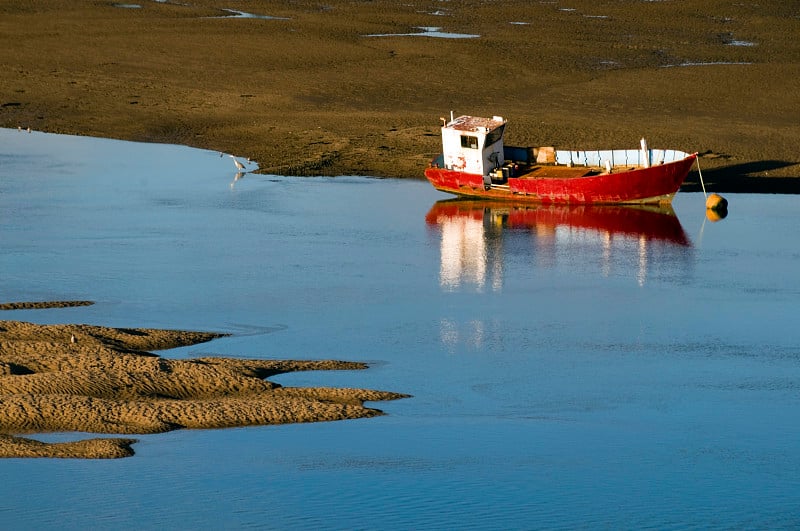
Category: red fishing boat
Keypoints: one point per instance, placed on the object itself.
(475, 163)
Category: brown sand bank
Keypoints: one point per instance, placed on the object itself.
(311, 94)
(61, 378)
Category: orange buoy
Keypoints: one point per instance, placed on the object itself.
(716, 207)
(716, 202)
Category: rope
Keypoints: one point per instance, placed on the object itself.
(697, 160)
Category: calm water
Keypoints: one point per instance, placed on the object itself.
(570, 369)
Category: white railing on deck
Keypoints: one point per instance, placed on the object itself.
(617, 157)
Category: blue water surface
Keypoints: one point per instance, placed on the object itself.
(569, 369)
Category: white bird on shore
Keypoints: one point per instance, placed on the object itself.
(239, 165)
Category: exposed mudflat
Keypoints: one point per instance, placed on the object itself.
(309, 92)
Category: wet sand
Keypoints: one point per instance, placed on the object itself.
(309, 93)
(82, 378)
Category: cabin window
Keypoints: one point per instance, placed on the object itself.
(469, 141)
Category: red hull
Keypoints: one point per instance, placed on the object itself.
(656, 184)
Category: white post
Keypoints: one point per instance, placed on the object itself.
(645, 154)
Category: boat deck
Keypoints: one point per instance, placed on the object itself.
(557, 172)
(552, 171)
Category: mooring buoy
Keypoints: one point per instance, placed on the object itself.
(716, 207)
(716, 202)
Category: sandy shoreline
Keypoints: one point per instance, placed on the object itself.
(82, 378)
(309, 93)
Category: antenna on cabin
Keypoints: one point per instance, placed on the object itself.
(451, 116)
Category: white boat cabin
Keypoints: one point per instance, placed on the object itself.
(472, 144)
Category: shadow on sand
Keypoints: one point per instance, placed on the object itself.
(741, 178)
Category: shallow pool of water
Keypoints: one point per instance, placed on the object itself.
(428, 31)
(569, 367)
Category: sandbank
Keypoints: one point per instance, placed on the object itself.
(84, 378)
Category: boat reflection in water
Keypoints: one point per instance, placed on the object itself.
(477, 237)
